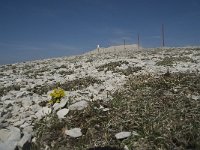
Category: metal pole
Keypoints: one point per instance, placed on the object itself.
(163, 35)
(124, 45)
(138, 38)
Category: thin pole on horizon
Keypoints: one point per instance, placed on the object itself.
(124, 44)
(163, 35)
(138, 40)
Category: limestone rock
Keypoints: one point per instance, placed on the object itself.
(62, 113)
(122, 135)
(9, 138)
(42, 112)
(75, 132)
(79, 105)
(18, 123)
(62, 104)
(24, 143)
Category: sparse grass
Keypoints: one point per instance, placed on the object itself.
(197, 54)
(89, 60)
(73, 85)
(33, 73)
(156, 107)
(66, 72)
(78, 66)
(111, 66)
(169, 61)
(79, 84)
(128, 71)
(165, 121)
(5, 90)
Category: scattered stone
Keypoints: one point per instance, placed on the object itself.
(9, 138)
(126, 147)
(6, 97)
(62, 113)
(134, 133)
(79, 105)
(62, 104)
(76, 132)
(122, 135)
(27, 102)
(18, 123)
(28, 129)
(25, 142)
(106, 109)
(42, 112)
(24, 125)
(195, 97)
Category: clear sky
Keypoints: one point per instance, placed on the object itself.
(35, 29)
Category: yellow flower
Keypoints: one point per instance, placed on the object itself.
(56, 95)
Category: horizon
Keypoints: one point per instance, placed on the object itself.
(34, 30)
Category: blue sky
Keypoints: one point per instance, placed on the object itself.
(35, 29)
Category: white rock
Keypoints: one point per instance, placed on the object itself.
(24, 125)
(134, 133)
(79, 105)
(195, 97)
(126, 147)
(21, 94)
(42, 112)
(6, 97)
(9, 102)
(62, 113)
(9, 138)
(18, 80)
(26, 139)
(18, 123)
(76, 132)
(62, 104)
(28, 129)
(122, 135)
(26, 102)
(106, 109)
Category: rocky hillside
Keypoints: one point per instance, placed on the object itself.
(123, 98)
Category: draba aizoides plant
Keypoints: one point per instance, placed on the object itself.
(56, 95)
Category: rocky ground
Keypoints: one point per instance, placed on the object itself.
(101, 89)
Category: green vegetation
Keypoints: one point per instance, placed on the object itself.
(111, 66)
(169, 61)
(128, 71)
(80, 83)
(159, 108)
(73, 85)
(5, 90)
